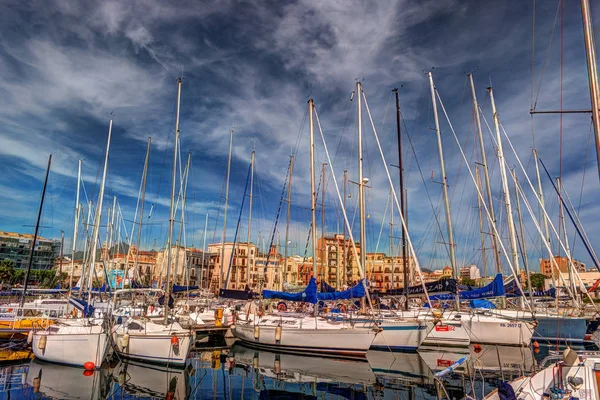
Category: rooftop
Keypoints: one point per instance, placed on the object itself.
(17, 235)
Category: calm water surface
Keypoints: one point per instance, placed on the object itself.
(243, 372)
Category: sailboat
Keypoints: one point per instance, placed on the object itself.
(80, 342)
(145, 339)
(300, 332)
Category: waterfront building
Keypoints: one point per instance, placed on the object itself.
(333, 253)
(470, 272)
(17, 246)
(547, 268)
(244, 258)
(183, 258)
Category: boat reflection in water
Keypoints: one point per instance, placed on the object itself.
(13, 379)
(494, 359)
(151, 381)
(396, 368)
(63, 382)
(273, 373)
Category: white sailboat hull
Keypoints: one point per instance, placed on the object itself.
(534, 387)
(156, 348)
(144, 340)
(488, 329)
(448, 333)
(349, 342)
(71, 348)
(404, 335)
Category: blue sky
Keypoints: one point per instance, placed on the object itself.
(252, 66)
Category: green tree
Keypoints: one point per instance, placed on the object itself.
(7, 271)
(18, 277)
(538, 281)
(468, 282)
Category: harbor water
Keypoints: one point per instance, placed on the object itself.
(242, 372)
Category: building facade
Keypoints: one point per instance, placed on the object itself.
(17, 248)
(548, 269)
(470, 272)
(335, 257)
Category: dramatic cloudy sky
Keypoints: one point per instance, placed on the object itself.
(252, 66)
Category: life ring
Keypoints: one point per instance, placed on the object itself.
(281, 306)
(342, 308)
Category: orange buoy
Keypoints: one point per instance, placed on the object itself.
(88, 372)
(536, 345)
(477, 348)
(174, 340)
(89, 366)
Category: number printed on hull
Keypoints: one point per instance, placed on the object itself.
(515, 325)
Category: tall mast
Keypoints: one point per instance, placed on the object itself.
(563, 225)
(224, 235)
(344, 260)
(250, 219)
(444, 185)
(35, 234)
(203, 250)
(402, 201)
(287, 224)
(486, 175)
(313, 193)
(60, 264)
(185, 271)
(98, 216)
(324, 266)
(507, 203)
(112, 228)
(183, 193)
(483, 256)
(523, 241)
(86, 246)
(75, 226)
(141, 217)
(361, 187)
(392, 238)
(172, 205)
(590, 50)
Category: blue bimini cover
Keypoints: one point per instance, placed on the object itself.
(482, 304)
(308, 295)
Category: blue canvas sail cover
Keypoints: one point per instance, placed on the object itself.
(308, 295)
(326, 288)
(245, 294)
(439, 286)
(180, 288)
(512, 290)
(494, 289)
(355, 292)
(83, 306)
